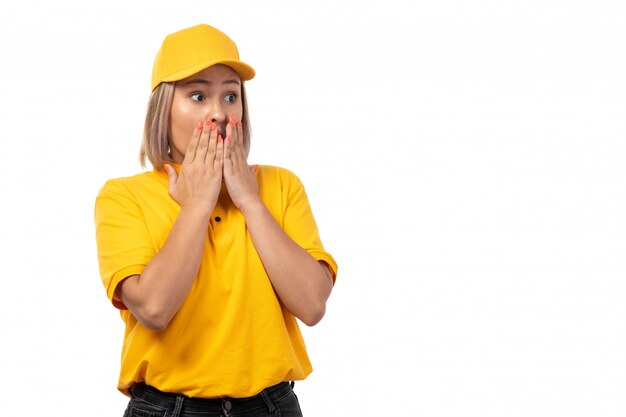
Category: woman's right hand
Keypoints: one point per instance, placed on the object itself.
(200, 179)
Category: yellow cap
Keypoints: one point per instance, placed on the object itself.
(191, 50)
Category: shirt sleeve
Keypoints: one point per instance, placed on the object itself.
(123, 241)
(299, 223)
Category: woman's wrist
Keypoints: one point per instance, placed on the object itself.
(200, 213)
(252, 206)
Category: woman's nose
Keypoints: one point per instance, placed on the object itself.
(217, 114)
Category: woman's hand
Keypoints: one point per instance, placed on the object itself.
(239, 178)
(200, 179)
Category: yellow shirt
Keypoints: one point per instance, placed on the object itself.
(232, 336)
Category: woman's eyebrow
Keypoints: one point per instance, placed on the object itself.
(209, 83)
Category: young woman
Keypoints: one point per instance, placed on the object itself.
(209, 260)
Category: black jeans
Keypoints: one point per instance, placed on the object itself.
(278, 400)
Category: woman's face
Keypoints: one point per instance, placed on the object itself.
(213, 93)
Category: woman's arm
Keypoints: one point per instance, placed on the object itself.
(302, 284)
(156, 295)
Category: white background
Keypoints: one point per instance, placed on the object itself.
(465, 161)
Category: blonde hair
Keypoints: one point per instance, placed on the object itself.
(155, 145)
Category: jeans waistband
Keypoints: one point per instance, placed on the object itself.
(226, 405)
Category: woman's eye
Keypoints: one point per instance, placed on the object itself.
(230, 98)
(197, 97)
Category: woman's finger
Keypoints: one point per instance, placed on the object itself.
(230, 141)
(203, 143)
(190, 154)
(211, 140)
(228, 133)
(210, 155)
(240, 144)
(228, 151)
(219, 154)
(238, 151)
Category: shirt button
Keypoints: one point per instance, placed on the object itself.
(218, 219)
(227, 405)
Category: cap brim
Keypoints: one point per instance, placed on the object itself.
(245, 71)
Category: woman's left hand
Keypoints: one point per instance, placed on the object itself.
(238, 176)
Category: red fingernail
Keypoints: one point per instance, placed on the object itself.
(232, 117)
(219, 138)
(239, 123)
(208, 121)
(213, 125)
(199, 127)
